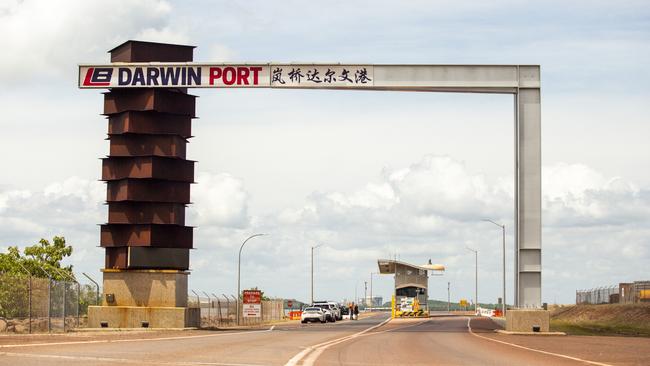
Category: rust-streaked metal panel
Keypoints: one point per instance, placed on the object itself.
(115, 168)
(150, 123)
(129, 212)
(143, 99)
(147, 145)
(147, 258)
(116, 258)
(168, 258)
(148, 191)
(146, 235)
(139, 51)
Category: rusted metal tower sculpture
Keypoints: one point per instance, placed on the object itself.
(148, 181)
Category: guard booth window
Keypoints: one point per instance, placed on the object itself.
(409, 291)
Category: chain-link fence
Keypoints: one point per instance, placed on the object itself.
(221, 311)
(33, 304)
(599, 295)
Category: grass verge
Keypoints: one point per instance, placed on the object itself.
(593, 328)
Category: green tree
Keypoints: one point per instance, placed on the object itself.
(41, 260)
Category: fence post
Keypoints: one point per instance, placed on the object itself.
(219, 307)
(198, 303)
(96, 285)
(49, 305)
(236, 304)
(209, 308)
(227, 307)
(64, 301)
(78, 301)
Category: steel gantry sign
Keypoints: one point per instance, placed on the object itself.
(150, 115)
(225, 76)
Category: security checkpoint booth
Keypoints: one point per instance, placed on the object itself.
(411, 292)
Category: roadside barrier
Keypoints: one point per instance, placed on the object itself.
(412, 314)
(486, 312)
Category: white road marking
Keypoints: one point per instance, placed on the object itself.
(311, 353)
(123, 360)
(132, 340)
(302, 354)
(535, 350)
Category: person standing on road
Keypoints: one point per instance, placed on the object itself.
(356, 311)
(351, 310)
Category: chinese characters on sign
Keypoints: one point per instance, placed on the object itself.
(319, 76)
(252, 303)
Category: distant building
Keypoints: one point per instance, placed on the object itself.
(376, 301)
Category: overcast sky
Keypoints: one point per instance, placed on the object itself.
(369, 175)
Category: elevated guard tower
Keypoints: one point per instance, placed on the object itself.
(411, 293)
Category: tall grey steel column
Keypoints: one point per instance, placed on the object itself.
(528, 189)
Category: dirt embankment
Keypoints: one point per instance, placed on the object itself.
(606, 319)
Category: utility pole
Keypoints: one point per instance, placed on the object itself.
(476, 279)
(365, 293)
(448, 298)
(356, 299)
(312, 271)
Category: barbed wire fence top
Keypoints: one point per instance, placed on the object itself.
(30, 304)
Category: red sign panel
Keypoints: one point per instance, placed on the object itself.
(252, 296)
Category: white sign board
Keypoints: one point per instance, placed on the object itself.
(191, 75)
(252, 310)
(407, 304)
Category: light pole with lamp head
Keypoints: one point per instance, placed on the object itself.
(476, 279)
(312, 271)
(239, 272)
(503, 231)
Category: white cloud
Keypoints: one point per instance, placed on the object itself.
(220, 201)
(593, 224)
(72, 208)
(49, 38)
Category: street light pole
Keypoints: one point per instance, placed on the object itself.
(239, 272)
(371, 292)
(312, 271)
(476, 279)
(503, 231)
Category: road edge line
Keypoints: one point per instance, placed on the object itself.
(469, 327)
(130, 340)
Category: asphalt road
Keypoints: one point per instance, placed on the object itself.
(370, 341)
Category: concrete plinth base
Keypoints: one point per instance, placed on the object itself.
(157, 297)
(525, 320)
(133, 316)
(154, 288)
